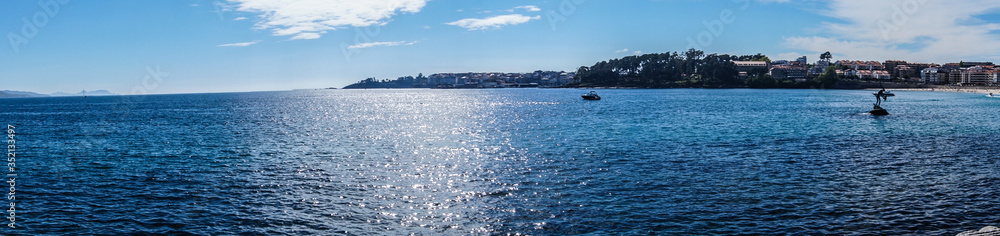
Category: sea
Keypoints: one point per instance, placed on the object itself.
(504, 162)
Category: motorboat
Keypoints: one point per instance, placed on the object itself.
(592, 95)
(886, 93)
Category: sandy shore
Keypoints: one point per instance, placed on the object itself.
(954, 89)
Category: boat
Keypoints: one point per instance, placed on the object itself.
(886, 93)
(592, 95)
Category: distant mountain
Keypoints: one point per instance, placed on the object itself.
(19, 94)
(61, 94)
(84, 92)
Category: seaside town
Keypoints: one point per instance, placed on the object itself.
(474, 80)
(959, 73)
(963, 73)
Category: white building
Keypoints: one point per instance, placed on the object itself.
(977, 75)
(802, 60)
(930, 75)
(819, 68)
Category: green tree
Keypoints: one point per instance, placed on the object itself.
(828, 78)
(758, 57)
(671, 69)
(718, 70)
(762, 80)
(692, 59)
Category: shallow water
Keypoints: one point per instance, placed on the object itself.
(507, 161)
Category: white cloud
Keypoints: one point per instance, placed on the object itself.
(492, 22)
(310, 35)
(243, 44)
(625, 50)
(374, 44)
(309, 19)
(530, 8)
(916, 30)
(789, 56)
(240, 18)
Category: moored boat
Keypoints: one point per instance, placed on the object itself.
(885, 93)
(592, 95)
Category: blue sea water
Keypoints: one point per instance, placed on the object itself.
(507, 161)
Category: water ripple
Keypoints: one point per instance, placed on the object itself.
(513, 161)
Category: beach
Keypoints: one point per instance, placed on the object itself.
(957, 89)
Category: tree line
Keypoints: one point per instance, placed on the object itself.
(667, 70)
(401, 82)
(681, 70)
(690, 69)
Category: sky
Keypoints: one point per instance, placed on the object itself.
(197, 46)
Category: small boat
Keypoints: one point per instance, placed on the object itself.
(592, 95)
(886, 93)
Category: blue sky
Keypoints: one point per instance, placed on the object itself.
(131, 47)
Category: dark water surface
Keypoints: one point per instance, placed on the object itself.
(528, 161)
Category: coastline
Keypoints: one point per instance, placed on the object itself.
(952, 89)
(852, 86)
